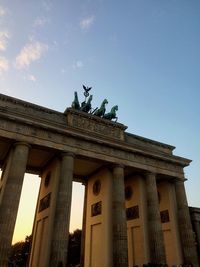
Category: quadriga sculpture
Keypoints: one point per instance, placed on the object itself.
(112, 114)
(87, 107)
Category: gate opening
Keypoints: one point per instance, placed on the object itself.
(76, 217)
(27, 207)
(28, 202)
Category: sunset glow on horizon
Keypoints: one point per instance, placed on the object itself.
(27, 206)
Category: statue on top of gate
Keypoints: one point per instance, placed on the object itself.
(86, 106)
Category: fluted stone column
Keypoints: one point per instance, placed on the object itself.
(120, 246)
(84, 227)
(14, 173)
(62, 213)
(156, 241)
(197, 230)
(185, 226)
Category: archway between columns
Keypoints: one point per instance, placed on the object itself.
(27, 206)
(28, 202)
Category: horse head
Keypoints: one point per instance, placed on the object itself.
(105, 101)
(114, 108)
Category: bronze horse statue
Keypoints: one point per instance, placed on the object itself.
(101, 111)
(86, 106)
(75, 103)
(112, 114)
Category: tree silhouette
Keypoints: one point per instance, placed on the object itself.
(20, 252)
(74, 248)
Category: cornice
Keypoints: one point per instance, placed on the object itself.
(26, 104)
(150, 141)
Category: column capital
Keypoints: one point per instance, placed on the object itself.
(147, 173)
(117, 165)
(180, 180)
(20, 143)
(67, 154)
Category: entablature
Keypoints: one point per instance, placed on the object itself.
(85, 135)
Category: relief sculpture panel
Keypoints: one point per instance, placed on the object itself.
(96, 127)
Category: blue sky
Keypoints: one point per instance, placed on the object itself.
(140, 54)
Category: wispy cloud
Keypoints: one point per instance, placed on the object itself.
(47, 4)
(63, 71)
(4, 65)
(30, 53)
(31, 77)
(2, 11)
(40, 22)
(78, 64)
(86, 23)
(4, 36)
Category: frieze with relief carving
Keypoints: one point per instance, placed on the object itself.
(97, 127)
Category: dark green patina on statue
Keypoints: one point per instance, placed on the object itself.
(86, 106)
(101, 111)
(112, 114)
(75, 103)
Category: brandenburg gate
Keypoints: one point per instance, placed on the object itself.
(135, 208)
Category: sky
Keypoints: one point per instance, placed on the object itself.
(142, 55)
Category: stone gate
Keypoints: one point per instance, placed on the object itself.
(135, 208)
